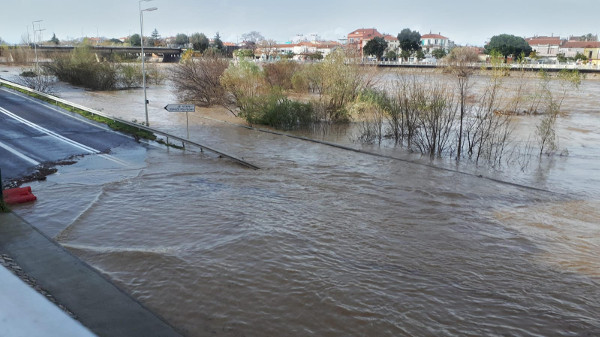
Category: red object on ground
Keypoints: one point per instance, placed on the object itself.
(18, 195)
(17, 191)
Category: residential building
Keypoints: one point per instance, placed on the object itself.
(431, 42)
(593, 54)
(301, 51)
(359, 38)
(393, 43)
(571, 48)
(545, 46)
(363, 35)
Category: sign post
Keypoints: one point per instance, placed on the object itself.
(182, 108)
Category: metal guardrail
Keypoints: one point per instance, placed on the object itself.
(141, 127)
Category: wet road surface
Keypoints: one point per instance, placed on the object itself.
(33, 133)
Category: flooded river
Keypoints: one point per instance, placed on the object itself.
(328, 242)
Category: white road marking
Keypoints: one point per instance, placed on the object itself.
(48, 105)
(48, 132)
(61, 137)
(19, 154)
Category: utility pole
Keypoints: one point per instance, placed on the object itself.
(35, 44)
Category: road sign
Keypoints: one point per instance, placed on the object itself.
(180, 107)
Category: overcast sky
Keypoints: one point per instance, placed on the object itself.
(465, 22)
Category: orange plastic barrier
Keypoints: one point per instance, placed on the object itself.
(17, 191)
(20, 199)
(18, 195)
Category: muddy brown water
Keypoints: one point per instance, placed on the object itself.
(327, 242)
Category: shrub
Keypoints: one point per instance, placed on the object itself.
(82, 68)
(40, 81)
(278, 111)
(131, 75)
(154, 75)
(280, 73)
(243, 82)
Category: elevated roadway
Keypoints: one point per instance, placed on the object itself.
(168, 54)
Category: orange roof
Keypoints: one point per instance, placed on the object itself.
(389, 37)
(581, 44)
(543, 40)
(364, 33)
(433, 36)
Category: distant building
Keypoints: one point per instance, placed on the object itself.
(593, 53)
(571, 48)
(300, 51)
(305, 38)
(359, 38)
(363, 35)
(393, 43)
(431, 42)
(545, 46)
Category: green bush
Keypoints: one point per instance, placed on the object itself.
(82, 68)
(131, 75)
(278, 111)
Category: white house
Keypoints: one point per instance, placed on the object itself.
(431, 42)
(545, 46)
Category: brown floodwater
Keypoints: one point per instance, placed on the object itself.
(329, 242)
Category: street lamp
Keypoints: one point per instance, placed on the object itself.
(143, 56)
(34, 44)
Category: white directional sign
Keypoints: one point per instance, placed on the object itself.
(180, 107)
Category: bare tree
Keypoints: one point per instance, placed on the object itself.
(460, 62)
(252, 39)
(198, 80)
(268, 48)
(41, 81)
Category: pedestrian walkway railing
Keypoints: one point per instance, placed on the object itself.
(185, 142)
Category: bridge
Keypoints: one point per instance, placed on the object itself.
(167, 54)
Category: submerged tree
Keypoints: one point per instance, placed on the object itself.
(460, 63)
(198, 80)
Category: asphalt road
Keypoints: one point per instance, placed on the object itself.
(33, 133)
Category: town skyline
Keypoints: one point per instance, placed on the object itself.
(331, 20)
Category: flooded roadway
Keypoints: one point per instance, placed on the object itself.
(327, 242)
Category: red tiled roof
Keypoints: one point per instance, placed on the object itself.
(543, 40)
(433, 36)
(389, 37)
(581, 44)
(364, 33)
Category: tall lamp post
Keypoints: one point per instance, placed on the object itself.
(34, 43)
(143, 56)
